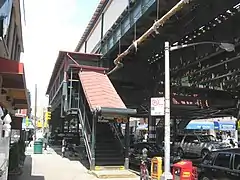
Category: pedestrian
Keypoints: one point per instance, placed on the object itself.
(63, 147)
(145, 137)
(45, 141)
(30, 139)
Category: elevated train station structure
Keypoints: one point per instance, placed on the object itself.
(204, 78)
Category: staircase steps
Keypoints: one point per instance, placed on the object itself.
(107, 152)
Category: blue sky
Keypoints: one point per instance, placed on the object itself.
(51, 25)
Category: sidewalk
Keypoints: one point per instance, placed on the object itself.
(51, 166)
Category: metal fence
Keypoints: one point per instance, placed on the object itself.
(4, 157)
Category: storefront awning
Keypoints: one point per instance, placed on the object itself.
(14, 92)
(225, 125)
(200, 125)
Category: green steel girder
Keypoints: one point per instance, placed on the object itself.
(124, 24)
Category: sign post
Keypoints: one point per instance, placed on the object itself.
(157, 106)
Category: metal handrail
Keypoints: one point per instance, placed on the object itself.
(117, 134)
(4, 167)
(86, 140)
(88, 125)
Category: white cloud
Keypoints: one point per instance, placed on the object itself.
(51, 25)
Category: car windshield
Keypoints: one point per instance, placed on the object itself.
(207, 138)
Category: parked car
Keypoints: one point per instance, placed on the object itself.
(197, 145)
(232, 142)
(220, 165)
(154, 150)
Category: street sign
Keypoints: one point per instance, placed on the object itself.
(157, 106)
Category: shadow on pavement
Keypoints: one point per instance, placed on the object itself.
(26, 172)
(79, 157)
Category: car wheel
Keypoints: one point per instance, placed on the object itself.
(180, 152)
(204, 153)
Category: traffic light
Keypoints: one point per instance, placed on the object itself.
(48, 114)
(27, 121)
(39, 124)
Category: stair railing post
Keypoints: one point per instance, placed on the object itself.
(174, 129)
(71, 87)
(127, 144)
(93, 140)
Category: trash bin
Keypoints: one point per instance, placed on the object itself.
(38, 147)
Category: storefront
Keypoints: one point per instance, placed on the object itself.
(224, 126)
(200, 125)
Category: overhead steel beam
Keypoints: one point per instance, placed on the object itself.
(124, 23)
(215, 65)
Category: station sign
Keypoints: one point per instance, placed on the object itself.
(105, 119)
(157, 106)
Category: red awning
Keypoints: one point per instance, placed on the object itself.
(11, 67)
(13, 84)
(99, 90)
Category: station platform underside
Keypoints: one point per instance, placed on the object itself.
(206, 70)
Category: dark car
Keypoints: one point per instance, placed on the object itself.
(221, 165)
(153, 151)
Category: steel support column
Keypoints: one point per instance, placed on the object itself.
(175, 129)
(127, 144)
(151, 128)
(68, 122)
(62, 124)
(93, 140)
(64, 95)
(85, 47)
(70, 87)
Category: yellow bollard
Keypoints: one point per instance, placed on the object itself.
(156, 168)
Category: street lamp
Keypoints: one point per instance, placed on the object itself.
(167, 175)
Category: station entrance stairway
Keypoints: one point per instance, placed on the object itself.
(108, 150)
(97, 105)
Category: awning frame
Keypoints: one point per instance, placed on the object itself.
(115, 111)
(12, 70)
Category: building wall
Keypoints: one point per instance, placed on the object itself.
(110, 14)
(94, 37)
(11, 44)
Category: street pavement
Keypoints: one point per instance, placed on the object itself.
(51, 166)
